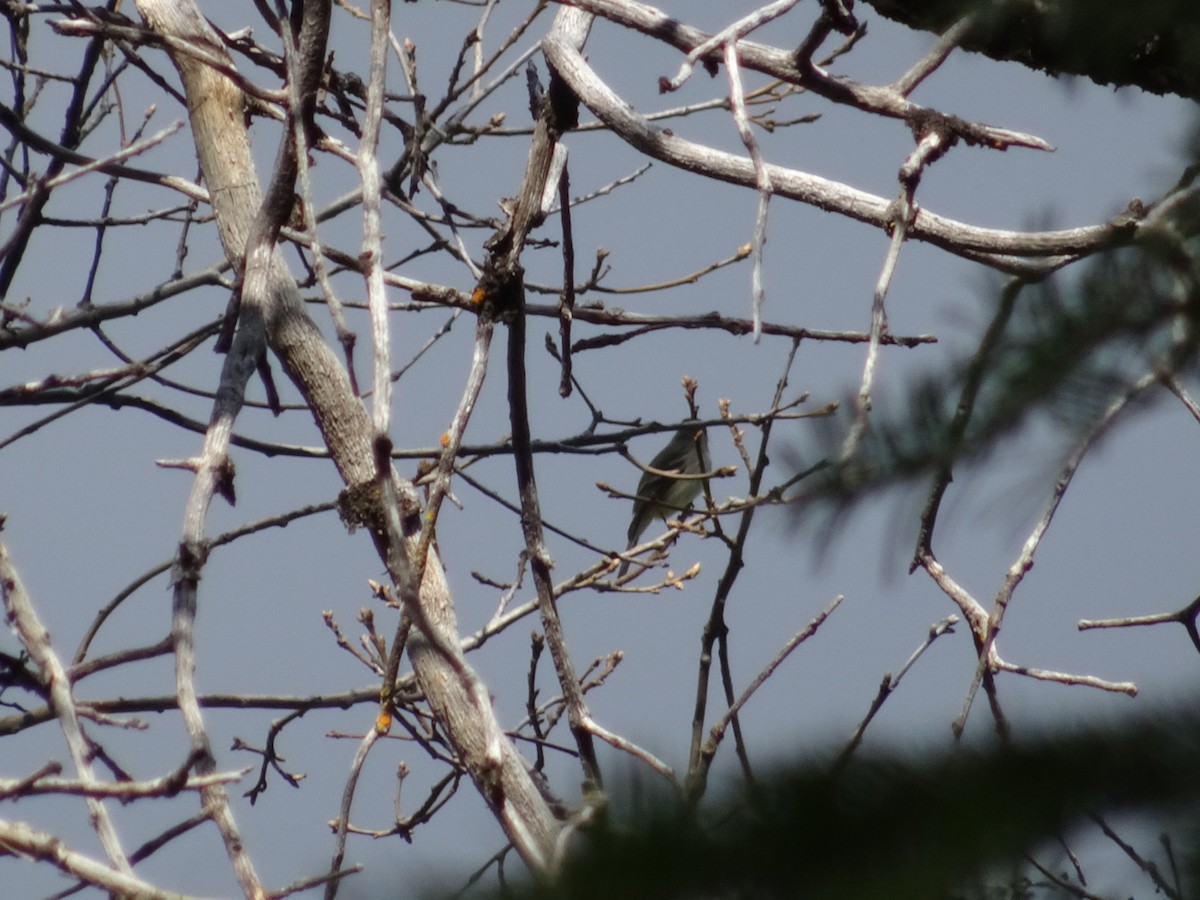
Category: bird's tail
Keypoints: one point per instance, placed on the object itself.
(625, 563)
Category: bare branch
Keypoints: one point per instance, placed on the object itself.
(31, 842)
(35, 638)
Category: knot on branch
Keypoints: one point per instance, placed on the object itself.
(360, 505)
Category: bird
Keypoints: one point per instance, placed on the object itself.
(659, 496)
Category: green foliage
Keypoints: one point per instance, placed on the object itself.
(1050, 352)
(884, 827)
(1150, 43)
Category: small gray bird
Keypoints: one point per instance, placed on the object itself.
(660, 496)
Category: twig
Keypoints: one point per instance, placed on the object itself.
(931, 146)
(937, 55)
(1117, 687)
(762, 177)
(729, 36)
(1024, 560)
(631, 748)
(343, 819)
(698, 774)
(888, 686)
(96, 165)
(165, 786)
(1185, 616)
(1146, 865)
(24, 620)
